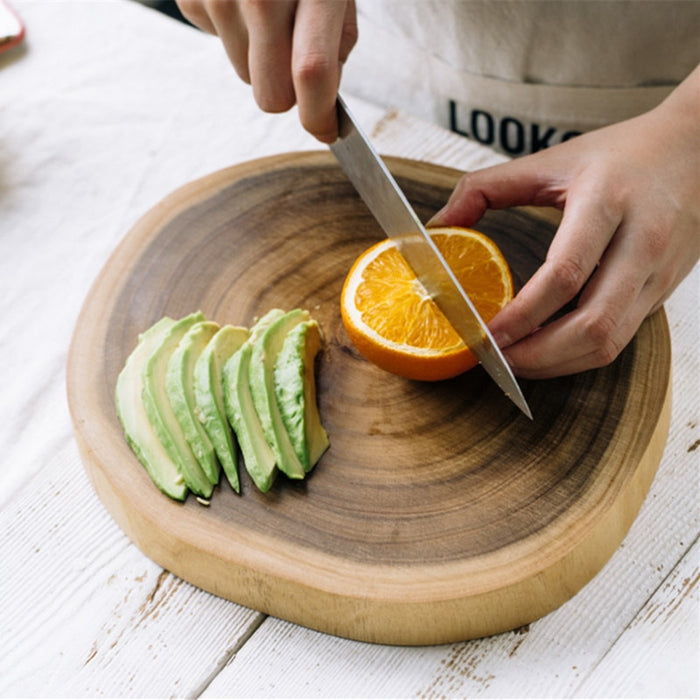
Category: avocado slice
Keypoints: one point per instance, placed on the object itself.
(266, 348)
(132, 415)
(179, 385)
(209, 396)
(295, 390)
(257, 454)
(160, 413)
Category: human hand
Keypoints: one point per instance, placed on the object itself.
(630, 232)
(290, 51)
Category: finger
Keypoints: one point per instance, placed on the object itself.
(612, 307)
(195, 12)
(349, 34)
(323, 34)
(526, 357)
(228, 23)
(518, 182)
(575, 343)
(584, 234)
(270, 26)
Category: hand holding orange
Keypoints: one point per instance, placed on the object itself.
(395, 324)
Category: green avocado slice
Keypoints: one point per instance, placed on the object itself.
(266, 348)
(160, 413)
(179, 385)
(258, 456)
(132, 415)
(295, 390)
(209, 396)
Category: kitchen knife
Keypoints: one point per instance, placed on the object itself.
(382, 195)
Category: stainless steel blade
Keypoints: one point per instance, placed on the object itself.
(384, 198)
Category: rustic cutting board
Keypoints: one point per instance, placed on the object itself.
(440, 512)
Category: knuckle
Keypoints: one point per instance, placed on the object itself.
(348, 38)
(656, 241)
(599, 328)
(568, 275)
(606, 354)
(258, 8)
(195, 12)
(600, 333)
(312, 68)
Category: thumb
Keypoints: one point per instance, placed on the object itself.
(510, 184)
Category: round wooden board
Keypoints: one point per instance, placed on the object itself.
(439, 513)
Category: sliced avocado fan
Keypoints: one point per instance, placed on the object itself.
(191, 393)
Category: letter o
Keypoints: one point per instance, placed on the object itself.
(511, 127)
(478, 119)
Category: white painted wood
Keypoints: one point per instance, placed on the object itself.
(651, 657)
(92, 135)
(87, 614)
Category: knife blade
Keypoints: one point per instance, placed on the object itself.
(385, 200)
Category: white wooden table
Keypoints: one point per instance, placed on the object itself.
(107, 108)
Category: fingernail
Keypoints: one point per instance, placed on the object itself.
(328, 138)
(501, 339)
(438, 219)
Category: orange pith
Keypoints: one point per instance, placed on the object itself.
(395, 324)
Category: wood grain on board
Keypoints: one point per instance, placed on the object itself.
(440, 512)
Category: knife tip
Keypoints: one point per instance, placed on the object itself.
(522, 405)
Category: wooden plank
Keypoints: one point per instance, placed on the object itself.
(653, 656)
(87, 614)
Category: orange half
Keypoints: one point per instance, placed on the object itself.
(395, 324)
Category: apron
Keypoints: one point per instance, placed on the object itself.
(520, 76)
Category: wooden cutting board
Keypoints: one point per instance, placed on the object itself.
(439, 513)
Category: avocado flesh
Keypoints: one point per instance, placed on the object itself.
(295, 389)
(160, 413)
(258, 457)
(266, 349)
(179, 385)
(209, 396)
(132, 415)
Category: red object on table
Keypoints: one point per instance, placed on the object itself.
(11, 27)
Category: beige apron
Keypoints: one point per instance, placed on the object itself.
(522, 75)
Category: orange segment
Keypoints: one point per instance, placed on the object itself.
(395, 324)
